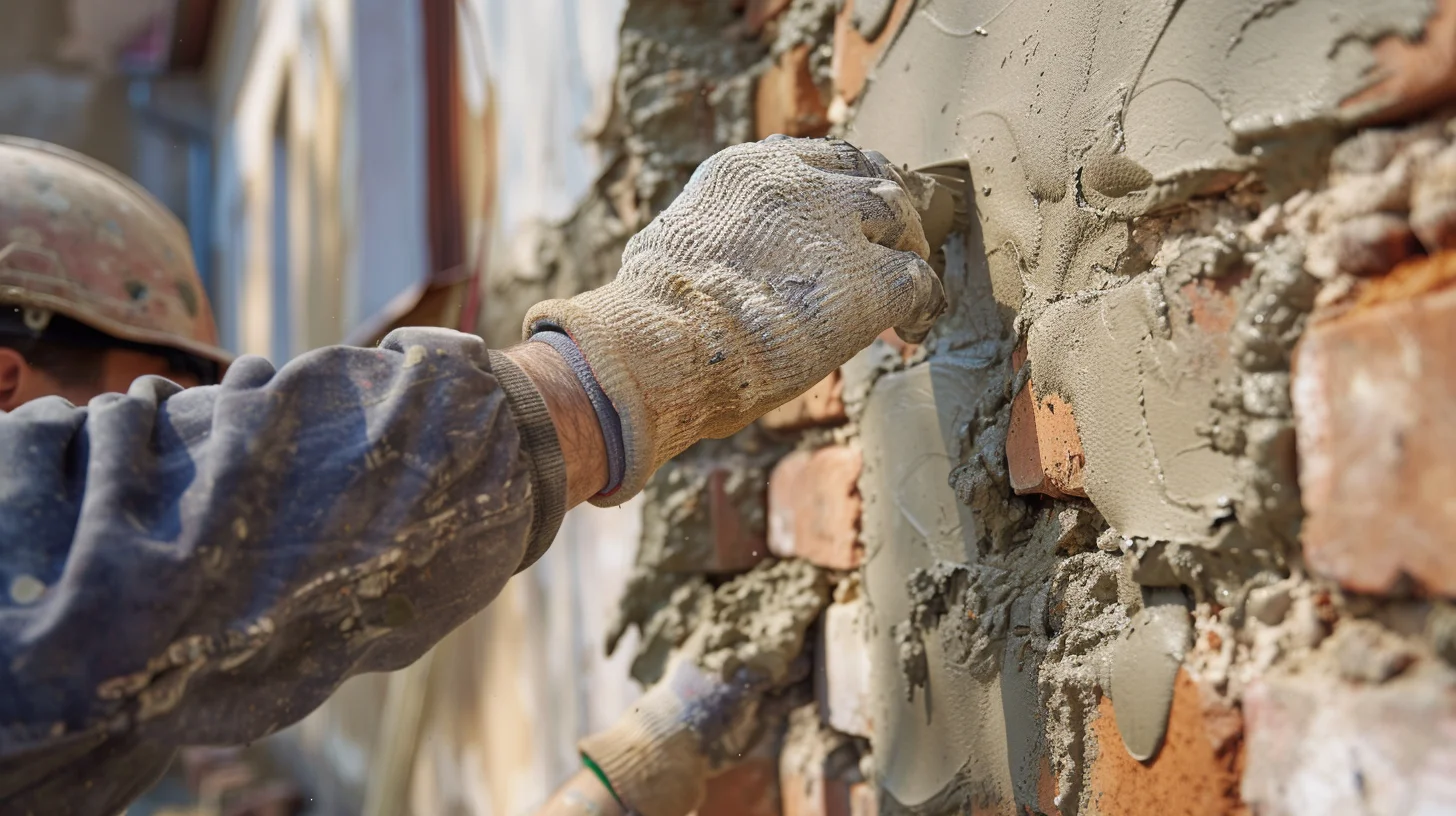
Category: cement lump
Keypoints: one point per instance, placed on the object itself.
(1145, 661)
(680, 535)
(758, 620)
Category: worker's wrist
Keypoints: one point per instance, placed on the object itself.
(608, 421)
(578, 432)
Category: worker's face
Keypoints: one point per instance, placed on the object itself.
(21, 382)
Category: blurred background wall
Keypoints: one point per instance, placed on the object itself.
(345, 166)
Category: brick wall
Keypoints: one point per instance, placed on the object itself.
(1165, 530)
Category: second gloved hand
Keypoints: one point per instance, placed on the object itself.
(779, 261)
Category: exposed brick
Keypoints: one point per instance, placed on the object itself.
(709, 512)
(750, 788)
(1321, 745)
(1195, 773)
(1210, 304)
(1407, 281)
(788, 100)
(854, 56)
(737, 543)
(757, 13)
(1043, 448)
(821, 405)
(1046, 789)
(816, 767)
(1372, 390)
(1433, 201)
(814, 796)
(844, 676)
(863, 801)
(1411, 76)
(1365, 245)
(814, 507)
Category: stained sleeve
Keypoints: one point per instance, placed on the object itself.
(205, 566)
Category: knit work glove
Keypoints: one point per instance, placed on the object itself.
(780, 260)
(659, 755)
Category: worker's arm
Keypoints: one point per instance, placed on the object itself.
(206, 566)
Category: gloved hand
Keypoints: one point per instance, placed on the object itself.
(779, 261)
(659, 755)
(725, 689)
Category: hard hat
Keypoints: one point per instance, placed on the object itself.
(81, 240)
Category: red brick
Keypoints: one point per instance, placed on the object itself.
(816, 767)
(862, 800)
(1043, 448)
(757, 13)
(844, 679)
(814, 507)
(750, 788)
(1195, 773)
(737, 546)
(1046, 789)
(1406, 282)
(712, 508)
(1321, 745)
(1411, 76)
(854, 56)
(814, 796)
(788, 100)
(1372, 393)
(1366, 245)
(821, 405)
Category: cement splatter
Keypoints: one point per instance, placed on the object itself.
(711, 498)
(758, 620)
(1145, 661)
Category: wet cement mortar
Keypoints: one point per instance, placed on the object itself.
(1226, 599)
(1158, 255)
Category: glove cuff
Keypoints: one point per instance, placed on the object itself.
(651, 758)
(641, 356)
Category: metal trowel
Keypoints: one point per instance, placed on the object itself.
(939, 192)
(941, 200)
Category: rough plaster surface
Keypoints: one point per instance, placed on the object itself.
(1137, 169)
(1164, 192)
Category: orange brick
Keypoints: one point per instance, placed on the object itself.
(1411, 76)
(1372, 393)
(737, 546)
(821, 405)
(713, 511)
(814, 507)
(788, 100)
(750, 788)
(854, 56)
(1195, 773)
(1043, 448)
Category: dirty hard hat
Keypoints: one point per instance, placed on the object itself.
(81, 241)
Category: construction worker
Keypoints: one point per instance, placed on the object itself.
(205, 565)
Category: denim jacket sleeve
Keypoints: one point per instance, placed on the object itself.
(206, 566)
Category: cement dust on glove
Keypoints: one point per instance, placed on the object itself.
(704, 714)
(780, 260)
